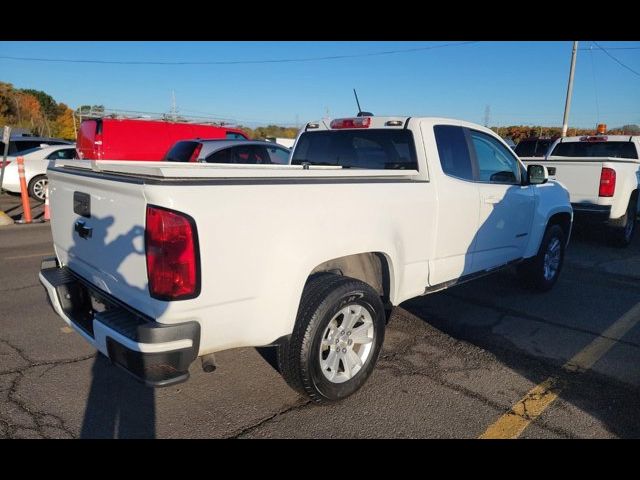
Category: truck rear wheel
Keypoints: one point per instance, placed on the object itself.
(625, 227)
(336, 339)
(542, 271)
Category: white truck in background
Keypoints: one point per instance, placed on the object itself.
(160, 263)
(602, 174)
(285, 142)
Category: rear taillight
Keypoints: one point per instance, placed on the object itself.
(607, 182)
(359, 122)
(196, 152)
(171, 243)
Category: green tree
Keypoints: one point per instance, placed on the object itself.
(47, 104)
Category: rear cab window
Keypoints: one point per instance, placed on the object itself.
(378, 149)
(596, 149)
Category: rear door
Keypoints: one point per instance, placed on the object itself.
(506, 206)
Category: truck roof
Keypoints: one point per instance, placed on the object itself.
(391, 122)
(610, 138)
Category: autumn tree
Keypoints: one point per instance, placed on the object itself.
(64, 126)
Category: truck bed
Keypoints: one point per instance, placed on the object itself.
(192, 171)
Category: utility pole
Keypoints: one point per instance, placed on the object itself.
(487, 115)
(567, 105)
(174, 110)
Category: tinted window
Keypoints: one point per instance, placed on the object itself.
(372, 149)
(30, 150)
(181, 152)
(526, 148)
(22, 145)
(222, 156)
(596, 149)
(279, 155)
(243, 154)
(495, 163)
(453, 151)
(235, 136)
(64, 154)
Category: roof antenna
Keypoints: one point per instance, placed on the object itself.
(360, 112)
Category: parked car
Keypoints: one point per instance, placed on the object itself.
(228, 151)
(534, 147)
(309, 257)
(36, 161)
(139, 139)
(20, 143)
(602, 174)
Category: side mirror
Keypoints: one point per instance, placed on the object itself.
(537, 174)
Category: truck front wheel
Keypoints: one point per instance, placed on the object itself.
(336, 339)
(542, 271)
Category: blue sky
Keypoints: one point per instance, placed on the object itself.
(521, 82)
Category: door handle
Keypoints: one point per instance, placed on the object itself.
(491, 200)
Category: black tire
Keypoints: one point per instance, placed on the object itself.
(624, 228)
(532, 271)
(35, 190)
(324, 296)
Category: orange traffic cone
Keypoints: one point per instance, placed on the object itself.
(47, 216)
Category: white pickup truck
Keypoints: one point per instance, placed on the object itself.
(602, 175)
(159, 263)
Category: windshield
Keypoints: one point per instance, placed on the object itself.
(372, 149)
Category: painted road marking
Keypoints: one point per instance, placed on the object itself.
(66, 329)
(30, 256)
(538, 399)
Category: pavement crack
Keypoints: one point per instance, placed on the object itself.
(251, 428)
(506, 311)
(39, 421)
(19, 288)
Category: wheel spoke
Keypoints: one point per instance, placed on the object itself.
(361, 334)
(348, 365)
(355, 311)
(355, 360)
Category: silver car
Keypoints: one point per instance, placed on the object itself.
(228, 151)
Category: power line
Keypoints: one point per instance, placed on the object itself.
(616, 60)
(614, 48)
(239, 62)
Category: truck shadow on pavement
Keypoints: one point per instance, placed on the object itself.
(118, 406)
(534, 334)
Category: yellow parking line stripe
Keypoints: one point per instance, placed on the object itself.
(29, 256)
(538, 399)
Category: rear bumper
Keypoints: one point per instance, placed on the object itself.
(591, 213)
(154, 353)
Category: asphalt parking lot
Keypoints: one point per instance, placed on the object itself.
(566, 364)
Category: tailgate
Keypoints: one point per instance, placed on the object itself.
(580, 177)
(98, 232)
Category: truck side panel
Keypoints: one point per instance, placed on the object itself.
(259, 245)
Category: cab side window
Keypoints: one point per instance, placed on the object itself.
(453, 151)
(495, 163)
